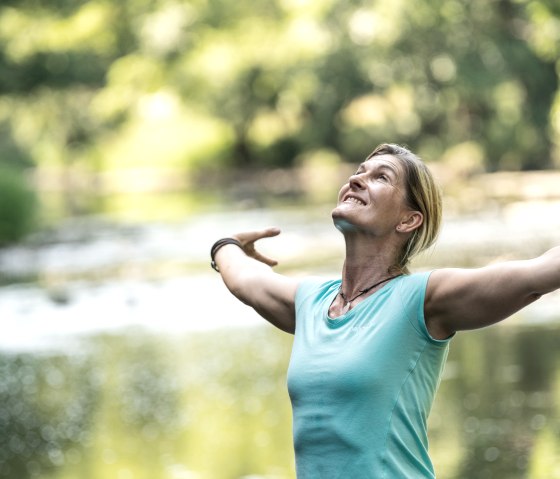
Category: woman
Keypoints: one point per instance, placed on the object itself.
(369, 348)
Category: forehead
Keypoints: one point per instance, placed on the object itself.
(384, 161)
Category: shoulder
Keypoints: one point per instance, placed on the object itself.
(412, 295)
(314, 288)
(411, 290)
(313, 285)
(415, 283)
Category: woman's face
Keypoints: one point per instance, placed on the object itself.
(374, 198)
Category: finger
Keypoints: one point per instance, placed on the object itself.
(270, 232)
(266, 233)
(265, 259)
(252, 236)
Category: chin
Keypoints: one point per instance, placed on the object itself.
(340, 221)
(336, 213)
(339, 210)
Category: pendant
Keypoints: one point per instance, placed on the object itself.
(345, 308)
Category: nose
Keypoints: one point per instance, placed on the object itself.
(356, 182)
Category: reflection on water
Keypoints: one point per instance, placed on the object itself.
(497, 411)
(143, 406)
(214, 405)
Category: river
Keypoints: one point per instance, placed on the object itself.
(124, 356)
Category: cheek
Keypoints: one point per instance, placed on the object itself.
(343, 191)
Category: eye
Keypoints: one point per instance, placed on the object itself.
(383, 177)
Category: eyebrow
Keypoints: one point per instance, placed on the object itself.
(379, 165)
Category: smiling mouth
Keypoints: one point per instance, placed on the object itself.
(352, 199)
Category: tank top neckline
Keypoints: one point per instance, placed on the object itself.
(343, 318)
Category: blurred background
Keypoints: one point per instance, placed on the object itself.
(134, 133)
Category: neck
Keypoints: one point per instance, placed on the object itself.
(366, 262)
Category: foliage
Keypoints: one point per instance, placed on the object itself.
(167, 84)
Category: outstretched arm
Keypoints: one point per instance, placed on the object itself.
(460, 299)
(250, 278)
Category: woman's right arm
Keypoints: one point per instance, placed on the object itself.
(250, 278)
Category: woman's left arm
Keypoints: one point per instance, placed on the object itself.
(460, 299)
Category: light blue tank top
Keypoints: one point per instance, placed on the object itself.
(362, 384)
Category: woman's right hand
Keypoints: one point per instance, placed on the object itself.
(248, 240)
(270, 294)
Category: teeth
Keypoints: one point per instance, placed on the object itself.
(354, 200)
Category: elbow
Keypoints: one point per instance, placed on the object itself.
(239, 287)
(531, 298)
(235, 288)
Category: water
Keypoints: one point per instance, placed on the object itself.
(496, 414)
(126, 357)
(214, 405)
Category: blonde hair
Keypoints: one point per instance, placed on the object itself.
(422, 194)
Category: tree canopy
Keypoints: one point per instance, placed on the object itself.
(167, 83)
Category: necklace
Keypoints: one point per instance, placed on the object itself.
(348, 302)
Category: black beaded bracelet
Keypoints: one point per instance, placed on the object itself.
(217, 245)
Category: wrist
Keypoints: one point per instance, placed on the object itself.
(216, 247)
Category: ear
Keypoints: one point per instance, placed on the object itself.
(411, 221)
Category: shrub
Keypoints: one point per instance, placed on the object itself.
(18, 206)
